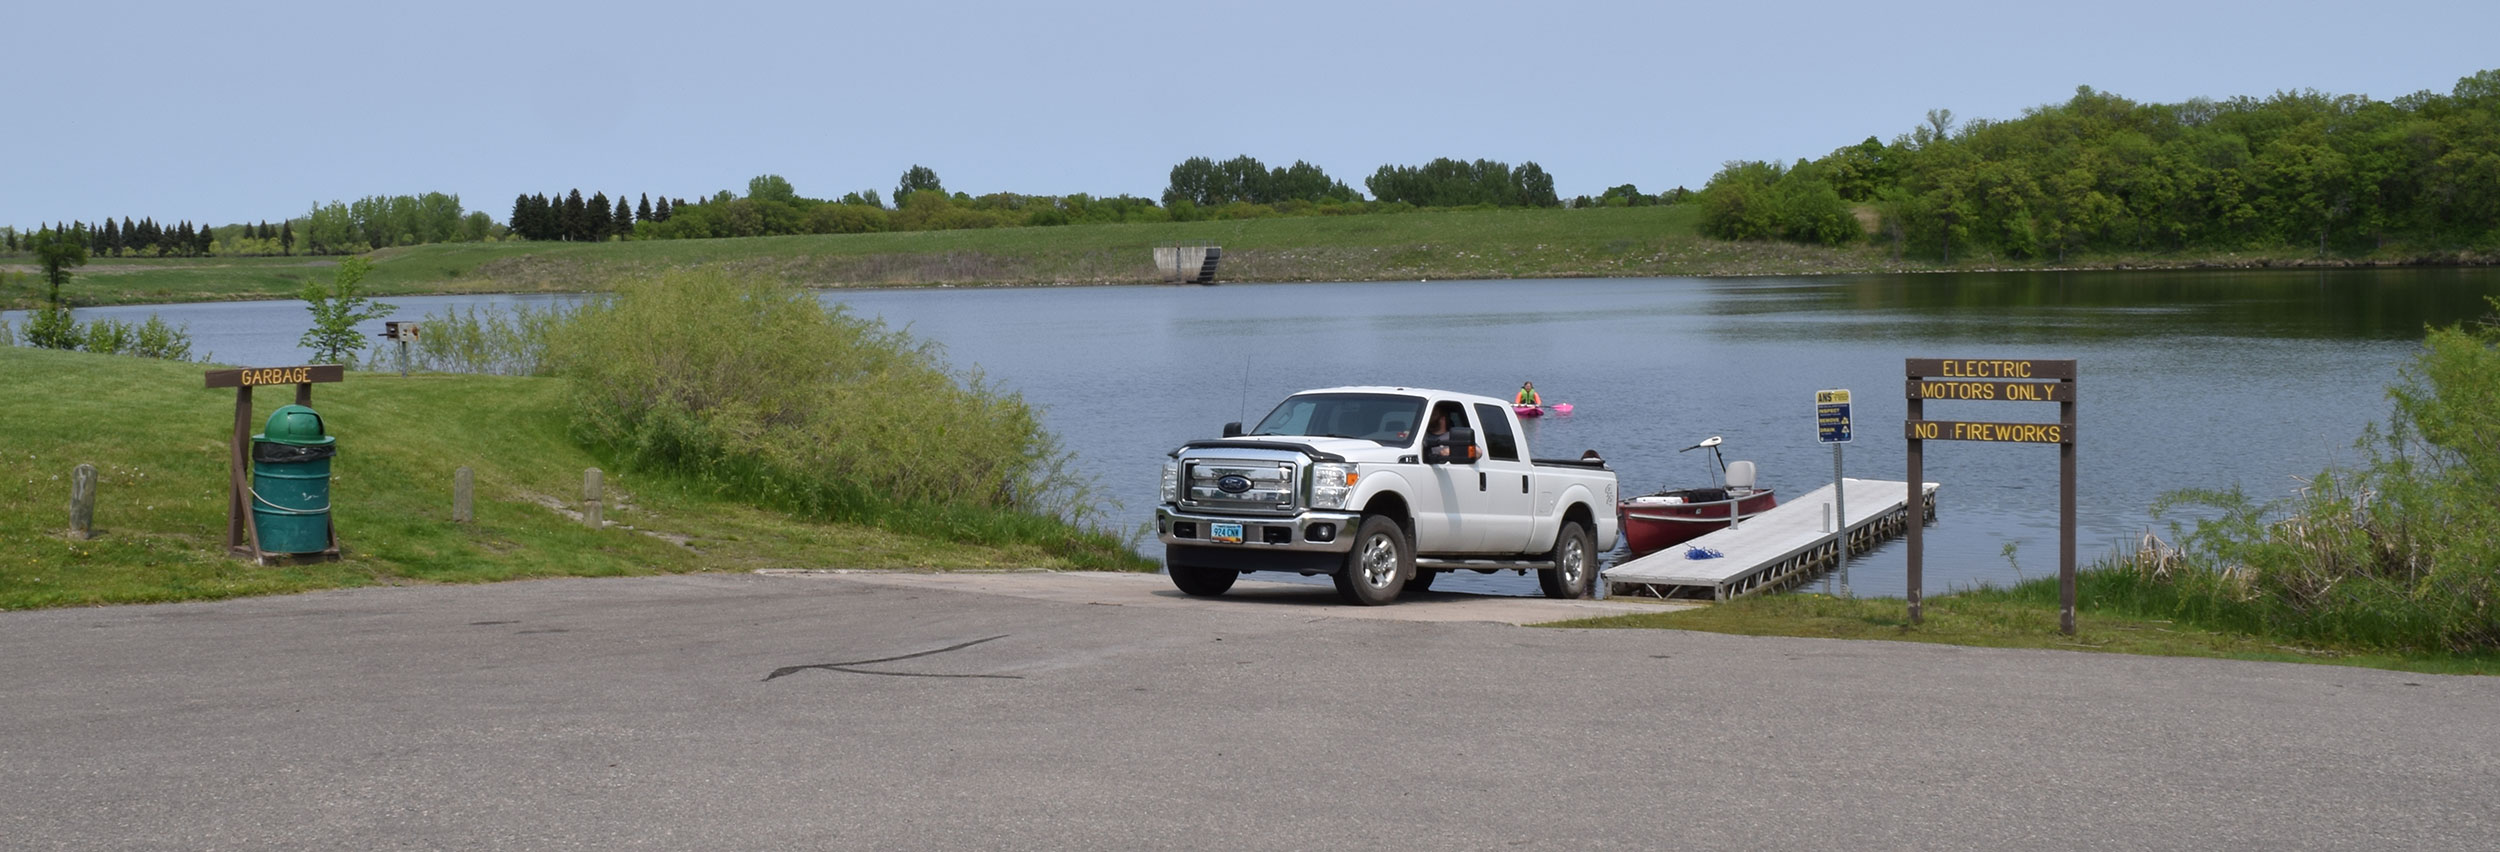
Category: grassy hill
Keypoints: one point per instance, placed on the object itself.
(1439, 244)
(158, 441)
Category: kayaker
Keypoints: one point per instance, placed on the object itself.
(1527, 395)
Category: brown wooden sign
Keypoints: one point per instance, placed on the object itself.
(1990, 368)
(242, 529)
(256, 376)
(1991, 391)
(2010, 433)
(1995, 380)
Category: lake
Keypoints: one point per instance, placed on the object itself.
(2205, 379)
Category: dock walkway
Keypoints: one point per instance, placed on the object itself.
(1775, 549)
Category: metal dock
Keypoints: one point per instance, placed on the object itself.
(1775, 549)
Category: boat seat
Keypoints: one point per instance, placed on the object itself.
(1740, 476)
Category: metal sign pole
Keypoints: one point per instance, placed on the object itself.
(1840, 506)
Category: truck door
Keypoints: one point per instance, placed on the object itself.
(1504, 512)
(1453, 491)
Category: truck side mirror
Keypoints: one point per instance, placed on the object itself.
(1457, 447)
(1233, 429)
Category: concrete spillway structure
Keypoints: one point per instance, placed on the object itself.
(1190, 264)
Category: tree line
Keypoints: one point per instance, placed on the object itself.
(2329, 174)
(1199, 188)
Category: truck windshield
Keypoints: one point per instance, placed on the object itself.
(1390, 419)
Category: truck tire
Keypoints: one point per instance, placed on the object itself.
(1202, 582)
(1575, 564)
(1377, 568)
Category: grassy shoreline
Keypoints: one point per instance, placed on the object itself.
(158, 442)
(1452, 244)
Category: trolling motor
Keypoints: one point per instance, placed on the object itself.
(1717, 480)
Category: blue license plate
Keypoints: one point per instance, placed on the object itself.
(1230, 533)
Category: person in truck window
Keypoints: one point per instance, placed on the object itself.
(1527, 395)
(1440, 429)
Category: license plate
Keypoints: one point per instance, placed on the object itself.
(1228, 533)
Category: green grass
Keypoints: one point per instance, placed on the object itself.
(158, 441)
(1452, 244)
(1437, 244)
(2021, 617)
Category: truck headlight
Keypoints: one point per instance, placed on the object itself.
(1331, 482)
(1172, 481)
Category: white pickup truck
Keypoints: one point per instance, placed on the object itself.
(1347, 482)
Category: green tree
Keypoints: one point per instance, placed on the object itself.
(336, 309)
(917, 179)
(59, 252)
(778, 188)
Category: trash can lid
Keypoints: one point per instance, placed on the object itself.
(294, 424)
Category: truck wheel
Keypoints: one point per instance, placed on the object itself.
(1377, 568)
(1575, 564)
(1202, 582)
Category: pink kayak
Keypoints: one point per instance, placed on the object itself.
(1528, 410)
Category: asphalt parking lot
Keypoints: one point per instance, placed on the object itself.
(1049, 711)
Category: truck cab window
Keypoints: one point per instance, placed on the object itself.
(1500, 445)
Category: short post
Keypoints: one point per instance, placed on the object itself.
(82, 502)
(462, 489)
(591, 513)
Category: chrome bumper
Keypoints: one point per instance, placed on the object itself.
(1288, 533)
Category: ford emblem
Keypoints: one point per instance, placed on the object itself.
(1233, 483)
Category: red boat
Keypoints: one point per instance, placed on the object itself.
(1654, 522)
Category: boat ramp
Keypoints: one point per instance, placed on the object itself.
(1775, 549)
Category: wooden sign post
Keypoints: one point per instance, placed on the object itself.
(242, 532)
(1997, 380)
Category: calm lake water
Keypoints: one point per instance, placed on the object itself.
(2187, 379)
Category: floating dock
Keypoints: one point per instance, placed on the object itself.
(1775, 549)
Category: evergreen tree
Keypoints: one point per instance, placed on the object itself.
(660, 213)
(642, 212)
(112, 237)
(574, 224)
(521, 216)
(624, 217)
(286, 237)
(597, 222)
(915, 179)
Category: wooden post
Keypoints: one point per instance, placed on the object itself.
(241, 530)
(82, 502)
(462, 509)
(591, 509)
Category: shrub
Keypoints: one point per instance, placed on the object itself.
(2403, 553)
(762, 393)
(51, 327)
(158, 340)
(107, 337)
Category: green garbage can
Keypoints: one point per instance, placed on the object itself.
(291, 482)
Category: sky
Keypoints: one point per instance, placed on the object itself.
(250, 112)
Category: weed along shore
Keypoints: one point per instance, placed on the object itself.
(1436, 245)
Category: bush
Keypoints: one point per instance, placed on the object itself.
(2403, 553)
(158, 340)
(762, 393)
(107, 337)
(51, 327)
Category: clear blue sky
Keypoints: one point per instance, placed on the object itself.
(226, 112)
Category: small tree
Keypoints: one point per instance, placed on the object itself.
(59, 252)
(336, 310)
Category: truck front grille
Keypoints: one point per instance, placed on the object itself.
(1239, 486)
